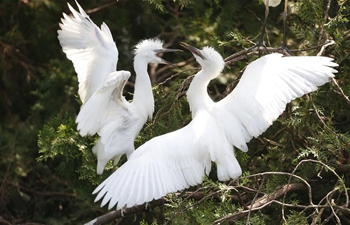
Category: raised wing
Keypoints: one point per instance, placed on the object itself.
(95, 109)
(91, 49)
(264, 90)
(166, 164)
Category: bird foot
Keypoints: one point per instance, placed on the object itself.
(284, 50)
(259, 47)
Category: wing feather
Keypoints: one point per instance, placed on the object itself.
(158, 167)
(108, 130)
(265, 88)
(91, 49)
(94, 110)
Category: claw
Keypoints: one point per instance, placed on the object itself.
(284, 50)
(258, 47)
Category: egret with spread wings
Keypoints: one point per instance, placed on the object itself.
(105, 110)
(180, 159)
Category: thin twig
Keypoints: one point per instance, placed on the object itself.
(262, 202)
(96, 9)
(253, 202)
(341, 91)
(248, 52)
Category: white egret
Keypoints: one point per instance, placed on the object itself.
(177, 160)
(105, 111)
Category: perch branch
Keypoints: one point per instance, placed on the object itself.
(124, 212)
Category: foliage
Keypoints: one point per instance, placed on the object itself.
(48, 170)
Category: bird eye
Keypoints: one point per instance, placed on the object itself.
(158, 52)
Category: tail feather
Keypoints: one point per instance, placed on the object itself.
(228, 169)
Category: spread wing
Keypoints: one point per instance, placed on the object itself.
(95, 109)
(267, 85)
(165, 164)
(91, 49)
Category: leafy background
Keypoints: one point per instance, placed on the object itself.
(48, 171)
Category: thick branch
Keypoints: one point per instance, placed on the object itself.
(124, 212)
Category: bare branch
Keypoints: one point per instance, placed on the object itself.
(255, 51)
(330, 169)
(256, 203)
(323, 48)
(96, 9)
(124, 212)
(341, 91)
(263, 202)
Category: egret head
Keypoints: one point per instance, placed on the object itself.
(152, 50)
(208, 58)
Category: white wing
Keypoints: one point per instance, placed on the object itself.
(166, 164)
(95, 109)
(92, 50)
(267, 85)
(119, 127)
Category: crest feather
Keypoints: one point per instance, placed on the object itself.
(148, 45)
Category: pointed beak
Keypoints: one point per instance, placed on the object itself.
(193, 50)
(165, 50)
(159, 53)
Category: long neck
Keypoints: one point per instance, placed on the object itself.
(143, 100)
(197, 94)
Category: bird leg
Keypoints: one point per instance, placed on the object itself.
(284, 17)
(261, 41)
(267, 10)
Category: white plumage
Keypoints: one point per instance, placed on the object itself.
(105, 110)
(179, 159)
(91, 49)
(272, 3)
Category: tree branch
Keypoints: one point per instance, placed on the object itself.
(264, 201)
(248, 52)
(96, 9)
(256, 204)
(124, 212)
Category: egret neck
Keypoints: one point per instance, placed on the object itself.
(197, 94)
(143, 95)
